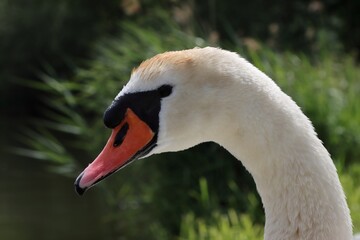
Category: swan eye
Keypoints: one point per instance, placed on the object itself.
(165, 90)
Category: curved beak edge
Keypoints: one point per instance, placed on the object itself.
(113, 157)
(79, 189)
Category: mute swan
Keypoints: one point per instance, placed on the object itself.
(179, 99)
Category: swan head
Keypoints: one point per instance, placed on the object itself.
(166, 106)
(177, 100)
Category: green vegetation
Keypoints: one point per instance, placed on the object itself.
(223, 227)
(204, 192)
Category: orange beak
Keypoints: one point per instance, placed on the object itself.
(126, 143)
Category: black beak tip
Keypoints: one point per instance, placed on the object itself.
(79, 189)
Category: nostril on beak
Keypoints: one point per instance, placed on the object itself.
(120, 136)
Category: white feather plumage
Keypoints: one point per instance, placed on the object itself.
(218, 96)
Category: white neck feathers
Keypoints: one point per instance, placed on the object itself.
(220, 97)
(293, 172)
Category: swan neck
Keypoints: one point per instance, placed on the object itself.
(296, 179)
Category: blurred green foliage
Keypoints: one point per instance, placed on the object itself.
(191, 194)
(308, 25)
(221, 227)
(39, 32)
(36, 34)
